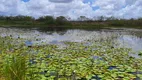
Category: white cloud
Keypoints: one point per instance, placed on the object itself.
(45, 7)
(109, 4)
(72, 8)
(8, 7)
(133, 10)
(61, 1)
(119, 8)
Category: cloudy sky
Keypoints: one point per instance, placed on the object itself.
(72, 8)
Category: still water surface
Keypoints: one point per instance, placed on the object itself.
(131, 38)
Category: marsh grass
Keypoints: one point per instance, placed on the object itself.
(14, 67)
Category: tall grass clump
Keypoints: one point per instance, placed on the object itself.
(14, 67)
(1, 77)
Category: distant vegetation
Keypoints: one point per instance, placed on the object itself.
(61, 21)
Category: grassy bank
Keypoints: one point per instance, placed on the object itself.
(80, 25)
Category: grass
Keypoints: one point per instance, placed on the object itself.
(14, 67)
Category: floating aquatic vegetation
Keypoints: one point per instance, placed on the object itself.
(77, 61)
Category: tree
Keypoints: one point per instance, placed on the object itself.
(61, 20)
(47, 19)
(21, 18)
(2, 17)
(82, 18)
(101, 18)
(111, 18)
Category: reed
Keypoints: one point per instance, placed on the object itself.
(14, 67)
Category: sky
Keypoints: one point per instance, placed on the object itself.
(72, 8)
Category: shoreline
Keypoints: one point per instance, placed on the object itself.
(70, 27)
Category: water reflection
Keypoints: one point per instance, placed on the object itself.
(131, 41)
(131, 38)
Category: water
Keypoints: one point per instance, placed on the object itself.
(131, 38)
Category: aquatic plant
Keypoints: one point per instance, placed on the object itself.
(100, 61)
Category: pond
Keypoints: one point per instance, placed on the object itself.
(131, 38)
(101, 54)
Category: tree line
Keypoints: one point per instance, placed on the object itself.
(61, 20)
(50, 20)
